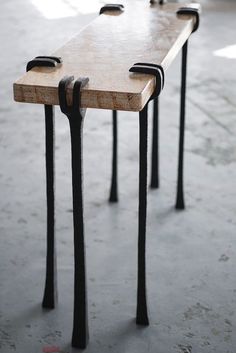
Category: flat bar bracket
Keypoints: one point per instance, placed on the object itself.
(190, 11)
(151, 69)
(111, 7)
(45, 61)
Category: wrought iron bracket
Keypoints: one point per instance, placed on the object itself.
(161, 2)
(151, 69)
(111, 7)
(190, 11)
(73, 110)
(46, 61)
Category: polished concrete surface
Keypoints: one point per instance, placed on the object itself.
(191, 256)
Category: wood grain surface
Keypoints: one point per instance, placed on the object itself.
(105, 50)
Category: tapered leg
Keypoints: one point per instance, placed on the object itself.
(155, 150)
(180, 190)
(141, 315)
(114, 187)
(80, 326)
(50, 292)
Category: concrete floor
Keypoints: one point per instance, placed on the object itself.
(191, 254)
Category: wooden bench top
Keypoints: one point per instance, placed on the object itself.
(105, 50)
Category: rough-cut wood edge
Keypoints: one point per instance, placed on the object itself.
(102, 99)
(89, 99)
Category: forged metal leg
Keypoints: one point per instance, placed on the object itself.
(50, 291)
(114, 192)
(80, 326)
(75, 115)
(155, 150)
(180, 192)
(141, 315)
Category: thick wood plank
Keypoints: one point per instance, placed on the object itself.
(105, 50)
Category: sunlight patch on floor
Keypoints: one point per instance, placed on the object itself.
(228, 52)
(54, 9)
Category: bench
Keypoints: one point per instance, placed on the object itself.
(117, 62)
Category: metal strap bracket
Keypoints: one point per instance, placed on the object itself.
(151, 69)
(190, 11)
(161, 2)
(71, 111)
(111, 7)
(46, 61)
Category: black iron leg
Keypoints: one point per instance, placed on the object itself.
(158, 72)
(180, 192)
(80, 327)
(50, 292)
(76, 115)
(155, 150)
(114, 192)
(141, 315)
